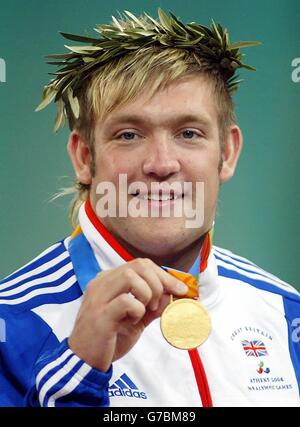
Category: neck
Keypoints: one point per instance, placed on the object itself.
(182, 260)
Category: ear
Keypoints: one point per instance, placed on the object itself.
(231, 153)
(81, 157)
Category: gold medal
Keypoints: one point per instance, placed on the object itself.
(185, 323)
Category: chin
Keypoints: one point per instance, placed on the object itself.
(161, 239)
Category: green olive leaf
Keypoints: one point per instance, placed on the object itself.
(131, 33)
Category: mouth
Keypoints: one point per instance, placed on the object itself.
(160, 196)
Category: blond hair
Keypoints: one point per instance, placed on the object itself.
(123, 79)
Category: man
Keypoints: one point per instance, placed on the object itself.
(150, 102)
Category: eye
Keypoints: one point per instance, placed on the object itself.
(128, 136)
(189, 134)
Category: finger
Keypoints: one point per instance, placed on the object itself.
(170, 283)
(120, 281)
(151, 277)
(152, 315)
(125, 307)
(132, 282)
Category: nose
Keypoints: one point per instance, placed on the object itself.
(162, 160)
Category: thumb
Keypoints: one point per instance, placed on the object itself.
(152, 315)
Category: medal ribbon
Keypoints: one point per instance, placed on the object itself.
(86, 268)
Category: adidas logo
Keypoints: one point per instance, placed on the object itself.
(126, 388)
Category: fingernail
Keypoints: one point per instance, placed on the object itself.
(181, 287)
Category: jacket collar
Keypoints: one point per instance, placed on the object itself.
(110, 254)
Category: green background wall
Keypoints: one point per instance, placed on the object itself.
(259, 209)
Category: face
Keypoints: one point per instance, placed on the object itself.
(171, 138)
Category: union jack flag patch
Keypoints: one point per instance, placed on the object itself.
(254, 348)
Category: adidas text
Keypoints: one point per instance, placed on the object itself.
(127, 393)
